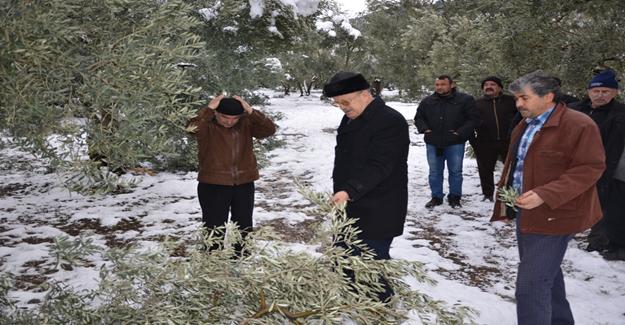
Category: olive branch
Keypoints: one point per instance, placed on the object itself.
(508, 196)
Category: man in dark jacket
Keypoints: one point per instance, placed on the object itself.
(227, 170)
(614, 182)
(370, 165)
(493, 135)
(448, 119)
(602, 107)
(554, 160)
(601, 104)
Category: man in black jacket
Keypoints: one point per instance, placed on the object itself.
(601, 104)
(602, 107)
(493, 134)
(371, 163)
(613, 180)
(448, 119)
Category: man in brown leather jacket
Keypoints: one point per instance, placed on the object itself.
(227, 165)
(555, 159)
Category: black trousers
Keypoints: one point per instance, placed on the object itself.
(217, 201)
(381, 248)
(614, 217)
(598, 237)
(487, 154)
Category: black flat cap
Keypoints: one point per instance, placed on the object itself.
(344, 83)
(493, 79)
(230, 106)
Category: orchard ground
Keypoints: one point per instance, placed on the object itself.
(473, 260)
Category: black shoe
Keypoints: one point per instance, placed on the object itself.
(487, 197)
(434, 202)
(454, 202)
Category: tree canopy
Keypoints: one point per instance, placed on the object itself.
(121, 77)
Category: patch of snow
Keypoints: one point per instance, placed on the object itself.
(257, 7)
(302, 7)
(230, 29)
(210, 13)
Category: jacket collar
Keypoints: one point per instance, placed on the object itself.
(552, 121)
(447, 97)
(586, 104)
(501, 94)
(235, 127)
(556, 116)
(371, 109)
(608, 106)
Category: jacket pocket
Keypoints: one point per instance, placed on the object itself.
(552, 159)
(549, 165)
(455, 138)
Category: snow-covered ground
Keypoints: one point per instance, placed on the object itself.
(473, 260)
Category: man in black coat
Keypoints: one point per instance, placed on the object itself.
(371, 163)
(448, 119)
(601, 104)
(613, 180)
(493, 134)
(602, 107)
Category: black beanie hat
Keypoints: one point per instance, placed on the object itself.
(493, 79)
(230, 106)
(344, 83)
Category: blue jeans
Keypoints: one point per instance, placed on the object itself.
(453, 155)
(540, 293)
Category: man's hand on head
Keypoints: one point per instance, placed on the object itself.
(214, 103)
(246, 106)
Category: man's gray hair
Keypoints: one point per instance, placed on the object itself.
(539, 82)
